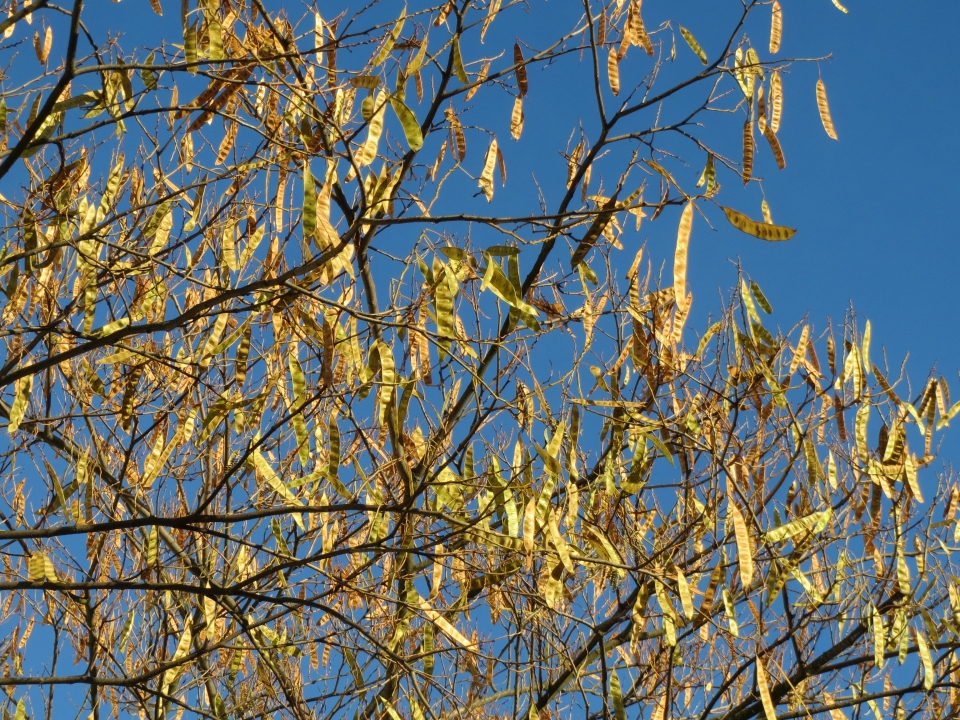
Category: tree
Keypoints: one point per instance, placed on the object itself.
(307, 417)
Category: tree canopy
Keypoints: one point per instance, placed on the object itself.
(311, 413)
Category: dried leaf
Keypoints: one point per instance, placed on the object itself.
(680, 255)
(37, 567)
(516, 118)
(660, 709)
(368, 151)
(518, 60)
(686, 599)
(926, 659)
(481, 78)
(744, 546)
(458, 69)
(226, 145)
(530, 525)
(159, 225)
(776, 27)
(42, 48)
(267, 472)
(761, 109)
(865, 349)
(776, 101)
(761, 298)
(769, 709)
(716, 580)
(492, 11)
(230, 84)
(332, 58)
(411, 128)
(489, 164)
(309, 208)
(765, 211)
(635, 31)
(860, 431)
(947, 416)
(593, 232)
(318, 41)
(694, 45)
(190, 46)
(563, 551)
(613, 71)
(910, 475)
(709, 176)
(795, 527)
(903, 571)
(824, 109)
(182, 650)
(616, 696)
(390, 39)
(365, 82)
(763, 231)
(573, 163)
(22, 389)
(775, 147)
(445, 10)
(457, 140)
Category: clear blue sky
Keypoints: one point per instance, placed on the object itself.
(876, 209)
